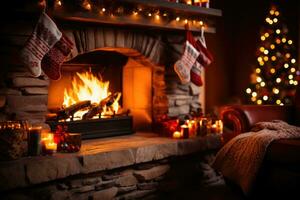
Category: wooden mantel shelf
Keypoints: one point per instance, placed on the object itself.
(178, 7)
(207, 15)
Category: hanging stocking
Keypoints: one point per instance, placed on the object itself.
(204, 59)
(183, 66)
(51, 63)
(196, 74)
(44, 36)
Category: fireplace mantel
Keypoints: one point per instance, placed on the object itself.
(207, 15)
(99, 155)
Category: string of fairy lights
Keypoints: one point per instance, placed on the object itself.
(156, 14)
(277, 70)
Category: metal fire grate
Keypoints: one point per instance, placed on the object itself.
(98, 128)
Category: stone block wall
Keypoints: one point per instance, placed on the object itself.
(152, 180)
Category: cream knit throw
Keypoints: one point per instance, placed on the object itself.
(240, 159)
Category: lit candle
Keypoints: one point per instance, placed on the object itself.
(177, 135)
(192, 128)
(213, 128)
(197, 2)
(219, 126)
(51, 146)
(48, 144)
(184, 131)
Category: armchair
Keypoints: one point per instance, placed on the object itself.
(280, 172)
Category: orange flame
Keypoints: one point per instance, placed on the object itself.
(86, 86)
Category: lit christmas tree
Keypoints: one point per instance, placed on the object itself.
(276, 75)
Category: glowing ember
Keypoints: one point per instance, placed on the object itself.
(86, 86)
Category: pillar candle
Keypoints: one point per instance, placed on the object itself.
(34, 141)
(184, 131)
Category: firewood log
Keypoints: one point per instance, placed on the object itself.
(69, 111)
(98, 108)
(94, 110)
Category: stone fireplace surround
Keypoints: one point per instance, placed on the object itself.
(124, 167)
(26, 97)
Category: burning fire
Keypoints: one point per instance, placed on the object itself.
(86, 86)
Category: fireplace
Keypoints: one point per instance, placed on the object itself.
(101, 76)
(138, 64)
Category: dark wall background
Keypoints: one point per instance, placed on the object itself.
(235, 43)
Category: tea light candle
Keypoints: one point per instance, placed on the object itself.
(177, 135)
(51, 146)
(48, 144)
(184, 131)
(219, 126)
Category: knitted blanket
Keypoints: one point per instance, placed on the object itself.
(240, 159)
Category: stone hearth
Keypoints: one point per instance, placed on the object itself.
(124, 167)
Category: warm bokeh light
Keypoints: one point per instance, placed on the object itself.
(258, 79)
(272, 70)
(272, 46)
(259, 102)
(248, 90)
(286, 65)
(278, 80)
(275, 90)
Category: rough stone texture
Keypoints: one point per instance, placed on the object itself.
(106, 194)
(29, 108)
(51, 169)
(135, 194)
(34, 90)
(107, 177)
(155, 152)
(104, 161)
(148, 186)
(60, 195)
(145, 175)
(195, 90)
(181, 102)
(25, 82)
(20, 101)
(91, 181)
(8, 91)
(83, 189)
(122, 190)
(128, 180)
(175, 111)
(103, 154)
(105, 184)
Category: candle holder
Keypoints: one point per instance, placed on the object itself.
(13, 136)
(48, 145)
(176, 135)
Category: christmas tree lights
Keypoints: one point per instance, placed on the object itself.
(276, 76)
